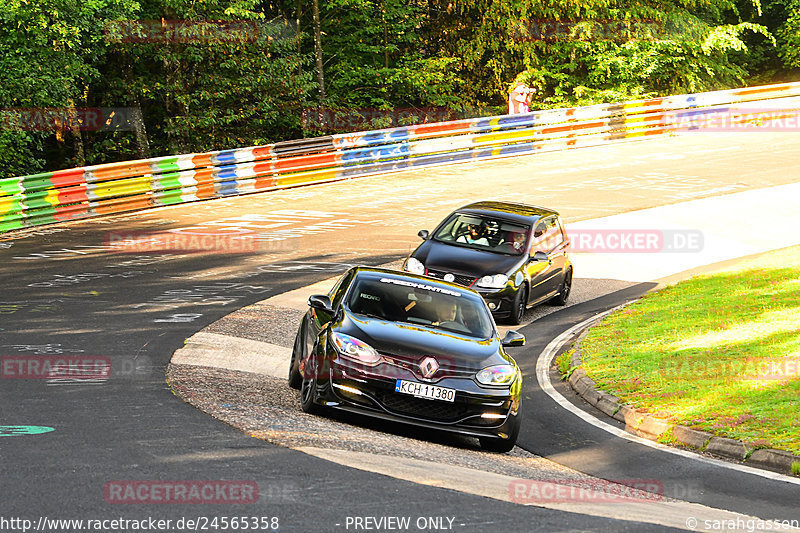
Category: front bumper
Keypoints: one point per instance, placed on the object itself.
(500, 301)
(475, 411)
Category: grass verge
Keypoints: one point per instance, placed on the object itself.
(564, 364)
(719, 352)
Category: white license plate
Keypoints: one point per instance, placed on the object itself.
(423, 390)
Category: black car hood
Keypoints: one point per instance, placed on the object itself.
(457, 259)
(414, 342)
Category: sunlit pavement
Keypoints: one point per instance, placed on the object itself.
(64, 292)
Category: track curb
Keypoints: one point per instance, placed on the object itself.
(652, 428)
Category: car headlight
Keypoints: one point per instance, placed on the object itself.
(496, 375)
(353, 348)
(498, 281)
(415, 266)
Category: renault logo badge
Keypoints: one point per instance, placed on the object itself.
(428, 367)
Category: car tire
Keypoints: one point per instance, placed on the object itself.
(566, 287)
(498, 445)
(308, 393)
(295, 378)
(518, 306)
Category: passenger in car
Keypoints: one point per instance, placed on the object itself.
(515, 241)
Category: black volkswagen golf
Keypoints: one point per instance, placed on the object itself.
(514, 255)
(411, 349)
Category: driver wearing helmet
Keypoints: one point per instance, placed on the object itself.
(474, 235)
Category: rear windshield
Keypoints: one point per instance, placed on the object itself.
(485, 233)
(417, 302)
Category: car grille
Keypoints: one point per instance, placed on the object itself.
(461, 279)
(447, 367)
(430, 409)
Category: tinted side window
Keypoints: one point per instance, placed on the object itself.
(338, 291)
(561, 233)
(557, 232)
(547, 235)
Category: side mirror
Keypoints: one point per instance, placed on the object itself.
(540, 256)
(513, 338)
(423, 234)
(320, 302)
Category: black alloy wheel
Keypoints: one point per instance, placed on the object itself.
(295, 378)
(519, 305)
(566, 286)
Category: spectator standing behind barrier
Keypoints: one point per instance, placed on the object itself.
(519, 99)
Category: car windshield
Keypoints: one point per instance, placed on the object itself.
(484, 233)
(420, 303)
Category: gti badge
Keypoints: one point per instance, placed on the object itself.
(428, 367)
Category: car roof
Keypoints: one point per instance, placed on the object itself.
(510, 210)
(376, 273)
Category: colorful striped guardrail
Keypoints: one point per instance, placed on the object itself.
(132, 185)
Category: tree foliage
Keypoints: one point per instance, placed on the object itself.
(229, 73)
(50, 53)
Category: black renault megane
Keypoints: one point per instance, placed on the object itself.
(410, 349)
(514, 255)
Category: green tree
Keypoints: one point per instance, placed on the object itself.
(789, 35)
(230, 76)
(49, 56)
(594, 50)
(373, 60)
(206, 85)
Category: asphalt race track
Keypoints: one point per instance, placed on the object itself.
(64, 293)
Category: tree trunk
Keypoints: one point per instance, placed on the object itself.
(318, 50)
(75, 128)
(385, 37)
(174, 108)
(299, 41)
(137, 120)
